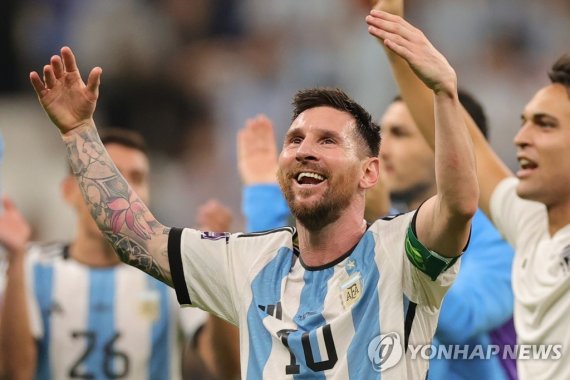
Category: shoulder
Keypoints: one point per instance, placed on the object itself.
(283, 232)
(393, 222)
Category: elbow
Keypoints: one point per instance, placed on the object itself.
(465, 209)
(465, 203)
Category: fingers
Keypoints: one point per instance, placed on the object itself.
(49, 76)
(257, 133)
(398, 48)
(68, 59)
(213, 216)
(94, 80)
(8, 204)
(391, 23)
(37, 83)
(57, 66)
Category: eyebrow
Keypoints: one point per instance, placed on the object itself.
(322, 131)
(540, 117)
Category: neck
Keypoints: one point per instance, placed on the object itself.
(413, 198)
(327, 244)
(558, 217)
(93, 251)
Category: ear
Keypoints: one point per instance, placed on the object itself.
(370, 172)
(69, 189)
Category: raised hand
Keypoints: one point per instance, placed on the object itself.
(215, 217)
(257, 152)
(412, 45)
(14, 230)
(395, 7)
(67, 100)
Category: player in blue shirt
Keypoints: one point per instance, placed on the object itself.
(323, 300)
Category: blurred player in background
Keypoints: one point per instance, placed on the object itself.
(75, 311)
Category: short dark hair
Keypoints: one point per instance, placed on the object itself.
(560, 71)
(339, 100)
(474, 109)
(471, 105)
(124, 137)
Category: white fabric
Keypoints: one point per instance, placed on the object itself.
(541, 278)
(246, 278)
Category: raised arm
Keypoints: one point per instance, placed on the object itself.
(263, 204)
(443, 222)
(419, 100)
(137, 237)
(17, 344)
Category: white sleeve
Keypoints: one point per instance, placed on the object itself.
(191, 319)
(200, 268)
(512, 214)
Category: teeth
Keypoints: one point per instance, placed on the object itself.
(312, 175)
(524, 161)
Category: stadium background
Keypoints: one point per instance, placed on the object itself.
(187, 73)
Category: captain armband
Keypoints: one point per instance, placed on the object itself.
(427, 261)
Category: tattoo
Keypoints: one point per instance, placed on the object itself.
(120, 214)
(135, 254)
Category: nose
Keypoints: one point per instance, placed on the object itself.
(306, 151)
(384, 149)
(522, 138)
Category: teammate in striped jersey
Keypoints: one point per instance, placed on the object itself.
(75, 311)
(324, 301)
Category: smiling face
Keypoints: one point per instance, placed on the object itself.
(543, 147)
(407, 158)
(322, 167)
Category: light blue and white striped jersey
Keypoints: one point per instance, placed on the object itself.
(351, 319)
(102, 323)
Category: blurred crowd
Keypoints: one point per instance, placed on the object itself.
(188, 73)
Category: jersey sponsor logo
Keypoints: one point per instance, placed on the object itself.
(385, 351)
(215, 235)
(351, 290)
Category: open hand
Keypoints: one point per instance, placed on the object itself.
(413, 46)
(68, 101)
(215, 217)
(257, 152)
(14, 230)
(395, 7)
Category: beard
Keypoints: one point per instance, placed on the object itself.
(326, 210)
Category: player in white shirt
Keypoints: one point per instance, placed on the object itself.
(531, 210)
(338, 311)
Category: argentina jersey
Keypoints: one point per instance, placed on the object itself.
(351, 319)
(100, 323)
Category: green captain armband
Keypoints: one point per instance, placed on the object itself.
(424, 259)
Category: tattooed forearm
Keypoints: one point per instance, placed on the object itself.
(126, 222)
(136, 255)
